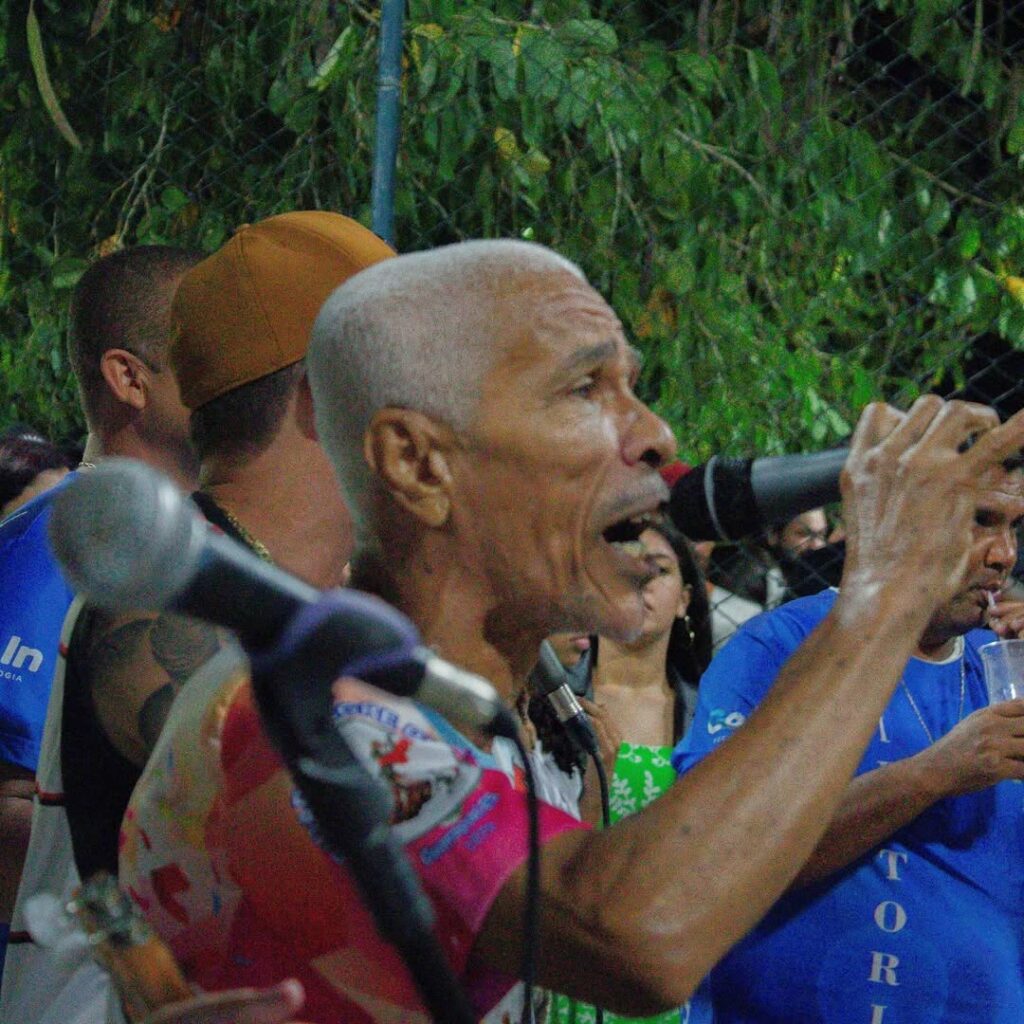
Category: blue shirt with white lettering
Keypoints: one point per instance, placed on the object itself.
(928, 927)
(34, 598)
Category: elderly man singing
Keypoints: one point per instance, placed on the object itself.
(477, 403)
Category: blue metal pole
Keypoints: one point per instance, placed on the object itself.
(389, 77)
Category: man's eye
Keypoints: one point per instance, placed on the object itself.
(584, 387)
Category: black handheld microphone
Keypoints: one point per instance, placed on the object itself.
(727, 499)
(128, 539)
(550, 679)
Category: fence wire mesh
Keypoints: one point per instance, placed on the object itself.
(794, 206)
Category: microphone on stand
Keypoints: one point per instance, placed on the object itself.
(550, 678)
(128, 539)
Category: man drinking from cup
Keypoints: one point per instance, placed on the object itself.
(910, 907)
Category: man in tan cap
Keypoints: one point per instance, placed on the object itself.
(240, 323)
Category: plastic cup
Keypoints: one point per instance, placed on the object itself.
(1003, 662)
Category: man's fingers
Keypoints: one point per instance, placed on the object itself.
(276, 1005)
(997, 444)
(1009, 708)
(876, 422)
(909, 431)
(1006, 623)
(955, 422)
(931, 421)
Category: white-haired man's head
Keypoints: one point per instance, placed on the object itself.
(418, 332)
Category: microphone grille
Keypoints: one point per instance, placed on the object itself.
(126, 537)
(548, 674)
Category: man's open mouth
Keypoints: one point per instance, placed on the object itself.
(625, 534)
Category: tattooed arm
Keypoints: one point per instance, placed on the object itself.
(134, 665)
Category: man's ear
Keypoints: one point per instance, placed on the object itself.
(409, 453)
(126, 376)
(304, 413)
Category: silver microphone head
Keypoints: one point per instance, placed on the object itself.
(549, 673)
(464, 697)
(126, 537)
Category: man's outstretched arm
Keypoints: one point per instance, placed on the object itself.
(635, 916)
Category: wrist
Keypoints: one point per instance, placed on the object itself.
(929, 776)
(881, 614)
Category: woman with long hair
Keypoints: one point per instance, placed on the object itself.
(643, 694)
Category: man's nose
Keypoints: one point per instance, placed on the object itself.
(648, 438)
(1002, 552)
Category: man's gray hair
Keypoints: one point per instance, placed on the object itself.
(416, 332)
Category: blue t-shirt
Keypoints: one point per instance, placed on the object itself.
(928, 928)
(34, 598)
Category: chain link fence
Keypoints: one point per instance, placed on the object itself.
(795, 206)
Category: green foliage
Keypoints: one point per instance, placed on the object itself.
(789, 223)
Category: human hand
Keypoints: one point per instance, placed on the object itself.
(910, 494)
(609, 735)
(1006, 619)
(276, 1005)
(985, 748)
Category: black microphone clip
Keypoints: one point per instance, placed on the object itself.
(550, 678)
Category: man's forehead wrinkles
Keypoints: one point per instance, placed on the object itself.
(550, 306)
(591, 355)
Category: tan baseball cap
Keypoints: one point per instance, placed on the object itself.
(248, 309)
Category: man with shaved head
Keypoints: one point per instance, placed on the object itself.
(477, 403)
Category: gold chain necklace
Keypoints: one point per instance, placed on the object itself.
(257, 546)
(963, 692)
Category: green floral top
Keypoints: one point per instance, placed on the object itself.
(641, 774)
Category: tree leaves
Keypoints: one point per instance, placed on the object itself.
(37, 57)
(99, 17)
(785, 232)
(66, 271)
(588, 33)
(1015, 138)
(337, 62)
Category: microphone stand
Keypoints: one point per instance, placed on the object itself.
(292, 684)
